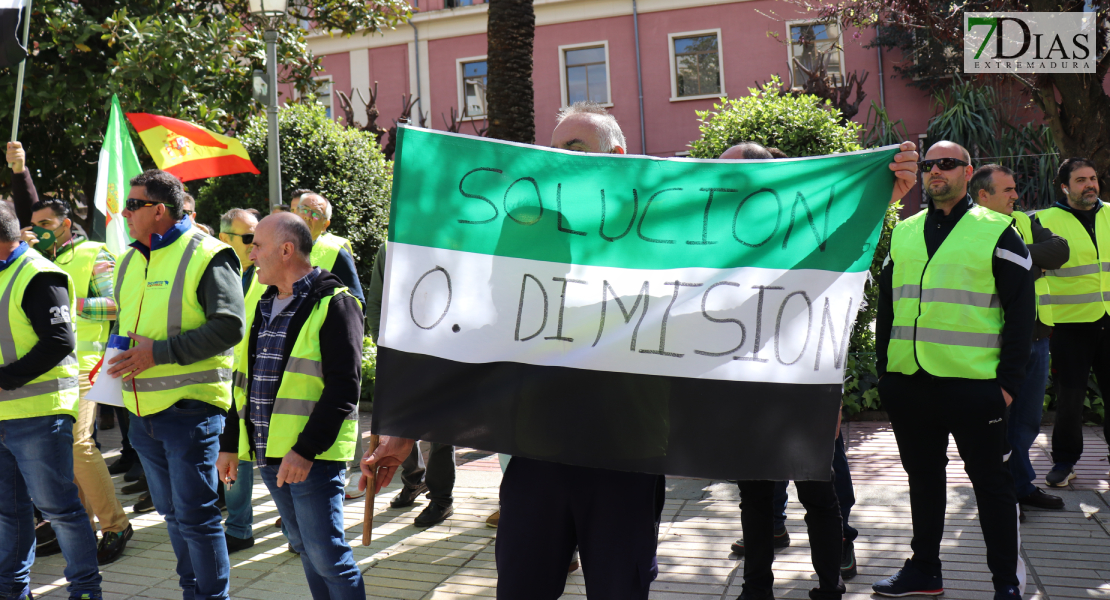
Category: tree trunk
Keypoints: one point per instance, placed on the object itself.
(509, 93)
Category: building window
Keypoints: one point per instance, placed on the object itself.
(472, 87)
(323, 94)
(457, 3)
(696, 65)
(584, 72)
(810, 43)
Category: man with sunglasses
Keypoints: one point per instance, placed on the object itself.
(237, 230)
(954, 333)
(180, 300)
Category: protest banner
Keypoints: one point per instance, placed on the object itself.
(677, 316)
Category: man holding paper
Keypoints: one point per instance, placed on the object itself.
(38, 406)
(90, 267)
(181, 302)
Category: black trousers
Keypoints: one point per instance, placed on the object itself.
(548, 508)
(438, 473)
(826, 537)
(1074, 353)
(923, 411)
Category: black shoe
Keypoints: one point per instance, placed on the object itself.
(1021, 514)
(122, 464)
(781, 540)
(408, 495)
(108, 419)
(235, 544)
(434, 514)
(144, 505)
(848, 561)
(909, 581)
(135, 473)
(290, 548)
(112, 544)
(745, 594)
(135, 488)
(1041, 499)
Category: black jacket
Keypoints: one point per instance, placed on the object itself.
(1048, 251)
(1015, 292)
(341, 356)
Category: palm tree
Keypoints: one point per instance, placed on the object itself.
(509, 96)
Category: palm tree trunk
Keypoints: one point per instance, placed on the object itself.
(509, 93)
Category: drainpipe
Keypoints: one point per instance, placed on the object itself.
(416, 41)
(639, 77)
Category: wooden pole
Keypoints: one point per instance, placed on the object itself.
(368, 510)
(19, 78)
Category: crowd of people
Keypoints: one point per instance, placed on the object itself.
(245, 348)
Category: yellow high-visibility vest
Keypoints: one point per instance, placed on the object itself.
(300, 389)
(1079, 291)
(158, 299)
(55, 391)
(92, 336)
(325, 250)
(947, 315)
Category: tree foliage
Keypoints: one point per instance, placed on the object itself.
(805, 125)
(187, 59)
(343, 164)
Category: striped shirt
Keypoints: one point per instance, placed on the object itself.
(100, 304)
(269, 358)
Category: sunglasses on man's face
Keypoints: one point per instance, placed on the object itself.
(945, 164)
(134, 204)
(248, 238)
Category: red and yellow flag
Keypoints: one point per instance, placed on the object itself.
(190, 152)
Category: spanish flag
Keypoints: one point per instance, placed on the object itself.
(190, 152)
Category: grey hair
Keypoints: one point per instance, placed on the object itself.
(228, 218)
(9, 223)
(291, 228)
(327, 203)
(611, 134)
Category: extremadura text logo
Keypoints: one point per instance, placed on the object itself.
(1029, 42)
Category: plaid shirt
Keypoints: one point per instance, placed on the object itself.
(268, 364)
(100, 304)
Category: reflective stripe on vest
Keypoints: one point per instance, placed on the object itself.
(1077, 291)
(158, 299)
(302, 383)
(53, 392)
(1044, 309)
(947, 315)
(91, 335)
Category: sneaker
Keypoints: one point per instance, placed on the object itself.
(87, 596)
(135, 488)
(494, 519)
(24, 595)
(353, 493)
(434, 514)
(746, 594)
(781, 540)
(909, 581)
(848, 561)
(144, 505)
(1059, 477)
(235, 544)
(1011, 592)
(1040, 499)
(408, 495)
(112, 544)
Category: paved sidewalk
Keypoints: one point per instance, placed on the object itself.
(1068, 552)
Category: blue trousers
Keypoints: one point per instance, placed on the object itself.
(237, 497)
(312, 513)
(1025, 418)
(178, 447)
(36, 461)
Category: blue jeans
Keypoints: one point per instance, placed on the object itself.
(240, 512)
(1025, 418)
(178, 447)
(845, 493)
(312, 512)
(36, 460)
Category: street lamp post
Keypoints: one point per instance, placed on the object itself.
(271, 12)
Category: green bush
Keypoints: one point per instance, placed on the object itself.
(805, 125)
(369, 369)
(343, 164)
